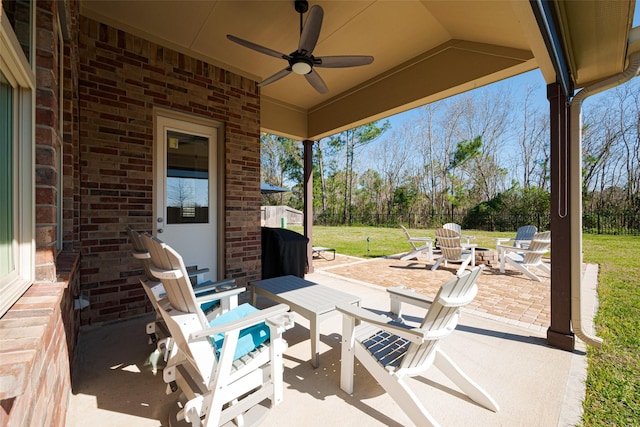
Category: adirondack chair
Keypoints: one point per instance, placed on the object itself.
(453, 250)
(456, 227)
(225, 368)
(522, 239)
(211, 302)
(523, 259)
(392, 351)
(418, 245)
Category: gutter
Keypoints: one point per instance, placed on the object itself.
(575, 171)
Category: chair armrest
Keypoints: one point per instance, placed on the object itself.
(466, 236)
(420, 239)
(218, 295)
(410, 296)
(523, 250)
(218, 286)
(245, 322)
(501, 239)
(415, 335)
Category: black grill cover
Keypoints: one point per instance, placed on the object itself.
(284, 252)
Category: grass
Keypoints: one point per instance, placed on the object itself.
(613, 379)
(382, 241)
(613, 376)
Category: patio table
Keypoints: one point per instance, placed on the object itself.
(312, 301)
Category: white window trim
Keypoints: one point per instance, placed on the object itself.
(15, 67)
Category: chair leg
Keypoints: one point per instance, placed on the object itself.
(347, 354)
(463, 266)
(466, 384)
(544, 267)
(400, 391)
(438, 261)
(524, 270)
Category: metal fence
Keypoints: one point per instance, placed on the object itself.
(592, 223)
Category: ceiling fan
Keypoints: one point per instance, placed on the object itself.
(302, 61)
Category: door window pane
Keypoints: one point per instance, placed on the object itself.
(187, 195)
(6, 177)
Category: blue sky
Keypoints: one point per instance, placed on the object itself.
(517, 84)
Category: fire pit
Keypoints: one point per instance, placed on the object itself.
(487, 256)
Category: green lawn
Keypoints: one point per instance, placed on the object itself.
(613, 382)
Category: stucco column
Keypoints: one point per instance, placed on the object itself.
(560, 333)
(308, 200)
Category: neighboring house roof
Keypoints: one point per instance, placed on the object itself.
(269, 189)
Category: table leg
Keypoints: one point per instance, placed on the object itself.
(314, 333)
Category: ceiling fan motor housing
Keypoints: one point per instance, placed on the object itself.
(301, 6)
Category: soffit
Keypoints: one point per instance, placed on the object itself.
(424, 50)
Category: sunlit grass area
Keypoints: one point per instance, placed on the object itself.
(372, 242)
(613, 383)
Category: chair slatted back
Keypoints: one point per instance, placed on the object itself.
(526, 232)
(140, 252)
(453, 226)
(539, 242)
(442, 317)
(406, 233)
(449, 243)
(167, 264)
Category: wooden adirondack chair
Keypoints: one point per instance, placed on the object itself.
(457, 228)
(392, 351)
(418, 245)
(226, 367)
(523, 259)
(453, 250)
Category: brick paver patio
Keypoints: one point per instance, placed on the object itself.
(510, 295)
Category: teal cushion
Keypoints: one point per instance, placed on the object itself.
(210, 304)
(250, 338)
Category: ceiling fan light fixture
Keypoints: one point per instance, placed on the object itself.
(301, 68)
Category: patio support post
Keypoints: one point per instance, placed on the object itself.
(308, 200)
(560, 333)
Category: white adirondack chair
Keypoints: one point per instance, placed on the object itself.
(522, 239)
(453, 250)
(228, 367)
(212, 302)
(418, 245)
(392, 351)
(457, 228)
(524, 259)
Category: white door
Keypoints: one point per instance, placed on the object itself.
(185, 191)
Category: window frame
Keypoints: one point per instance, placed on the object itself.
(21, 76)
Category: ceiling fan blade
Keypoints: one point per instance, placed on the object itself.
(277, 76)
(342, 61)
(316, 81)
(311, 30)
(257, 47)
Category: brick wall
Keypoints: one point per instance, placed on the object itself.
(38, 334)
(121, 79)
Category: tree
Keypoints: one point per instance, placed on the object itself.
(281, 163)
(347, 142)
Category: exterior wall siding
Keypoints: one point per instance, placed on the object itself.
(122, 78)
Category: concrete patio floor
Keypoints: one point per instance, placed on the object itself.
(534, 384)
